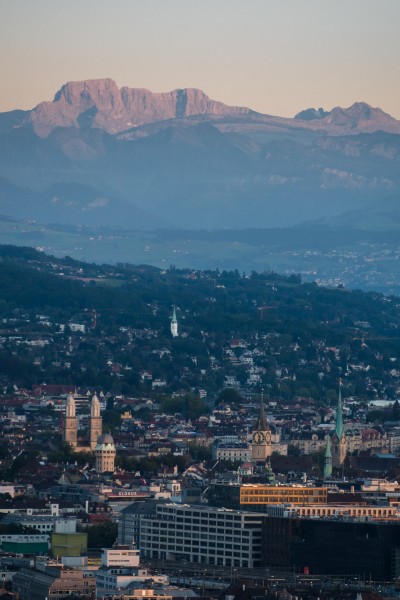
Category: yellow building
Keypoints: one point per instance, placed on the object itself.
(255, 496)
(68, 544)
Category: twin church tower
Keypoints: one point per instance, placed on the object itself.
(101, 444)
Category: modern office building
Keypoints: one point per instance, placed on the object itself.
(202, 534)
(130, 519)
(256, 497)
(359, 548)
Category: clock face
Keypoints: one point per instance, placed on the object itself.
(258, 437)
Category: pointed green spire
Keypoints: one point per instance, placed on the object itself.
(339, 414)
(328, 459)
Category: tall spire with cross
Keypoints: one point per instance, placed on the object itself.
(261, 423)
(261, 437)
(339, 413)
(339, 442)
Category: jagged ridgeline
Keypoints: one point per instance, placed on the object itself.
(64, 321)
(129, 157)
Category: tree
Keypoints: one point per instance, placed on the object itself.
(102, 535)
(230, 396)
(293, 450)
(395, 411)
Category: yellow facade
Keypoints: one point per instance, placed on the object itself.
(273, 494)
(68, 544)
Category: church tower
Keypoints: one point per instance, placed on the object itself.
(339, 442)
(96, 422)
(174, 324)
(261, 447)
(328, 459)
(70, 433)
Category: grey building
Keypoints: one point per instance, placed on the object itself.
(202, 534)
(130, 519)
(51, 583)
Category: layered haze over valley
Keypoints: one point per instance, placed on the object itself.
(98, 164)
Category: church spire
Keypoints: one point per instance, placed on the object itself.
(261, 423)
(328, 459)
(174, 323)
(339, 413)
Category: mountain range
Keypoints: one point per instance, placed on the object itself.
(97, 154)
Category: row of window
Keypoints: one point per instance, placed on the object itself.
(210, 545)
(204, 516)
(218, 551)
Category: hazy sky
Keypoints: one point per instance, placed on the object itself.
(275, 56)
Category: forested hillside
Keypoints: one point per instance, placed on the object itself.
(256, 330)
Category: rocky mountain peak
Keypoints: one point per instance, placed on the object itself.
(100, 103)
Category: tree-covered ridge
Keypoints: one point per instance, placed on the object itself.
(300, 337)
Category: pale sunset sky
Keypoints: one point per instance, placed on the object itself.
(274, 56)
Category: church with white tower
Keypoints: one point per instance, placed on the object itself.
(174, 323)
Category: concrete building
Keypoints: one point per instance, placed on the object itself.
(130, 519)
(43, 524)
(27, 543)
(120, 569)
(55, 581)
(233, 452)
(202, 535)
(258, 496)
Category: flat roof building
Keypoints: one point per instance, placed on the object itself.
(256, 497)
(203, 535)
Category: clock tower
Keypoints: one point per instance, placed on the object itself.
(261, 447)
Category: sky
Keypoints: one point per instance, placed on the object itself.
(274, 56)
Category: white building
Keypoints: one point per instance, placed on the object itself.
(203, 535)
(120, 569)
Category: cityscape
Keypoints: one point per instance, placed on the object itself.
(157, 442)
(199, 300)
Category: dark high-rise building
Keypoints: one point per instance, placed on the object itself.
(369, 550)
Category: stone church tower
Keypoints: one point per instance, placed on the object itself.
(339, 442)
(261, 447)
(96, 422)
(70, 432)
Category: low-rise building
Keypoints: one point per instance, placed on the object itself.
(55, 581)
